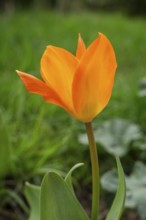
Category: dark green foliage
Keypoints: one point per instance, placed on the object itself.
(132, 7)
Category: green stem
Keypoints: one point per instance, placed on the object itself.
(95, 172)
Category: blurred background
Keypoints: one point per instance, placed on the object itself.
(36, 136)
(134, 7)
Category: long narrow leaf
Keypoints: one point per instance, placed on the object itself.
(68, 178)
(118, 203)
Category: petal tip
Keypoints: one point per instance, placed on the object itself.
(21, 74)
(100, 34)
(80, 47)
(79, 36)
(17, 71)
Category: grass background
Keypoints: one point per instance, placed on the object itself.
(39, 135)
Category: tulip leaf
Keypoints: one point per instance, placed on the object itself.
(68, 179)
(32, 193)
(118, 203)
(57, 200)
(136, 187)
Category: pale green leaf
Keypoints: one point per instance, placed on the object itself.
(58, 202)
(109, 180)
(32, 193)
(115, 135)
(118, 203)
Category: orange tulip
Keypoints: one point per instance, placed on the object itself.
(80, 84)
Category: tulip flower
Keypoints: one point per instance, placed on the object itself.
(82, 83)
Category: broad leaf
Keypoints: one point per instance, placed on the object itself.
(109, 180)
(115, 135)
(58, 202)
(32, 193)
(118, 203)
(140, 144)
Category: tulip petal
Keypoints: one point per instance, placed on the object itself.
(94, 78)
(57, 69)
(37, 86)
(81, 48)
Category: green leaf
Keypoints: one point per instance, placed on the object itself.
(118, 203)
(68, 179)
(57, 200)
(32, 193)
(136, 187)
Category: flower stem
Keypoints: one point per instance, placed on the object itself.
(95, 172)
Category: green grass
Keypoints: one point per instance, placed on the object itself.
(41, 135)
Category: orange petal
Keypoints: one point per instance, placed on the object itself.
(94, 78)
(81, 48)
(36, 86)
(57, 69)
